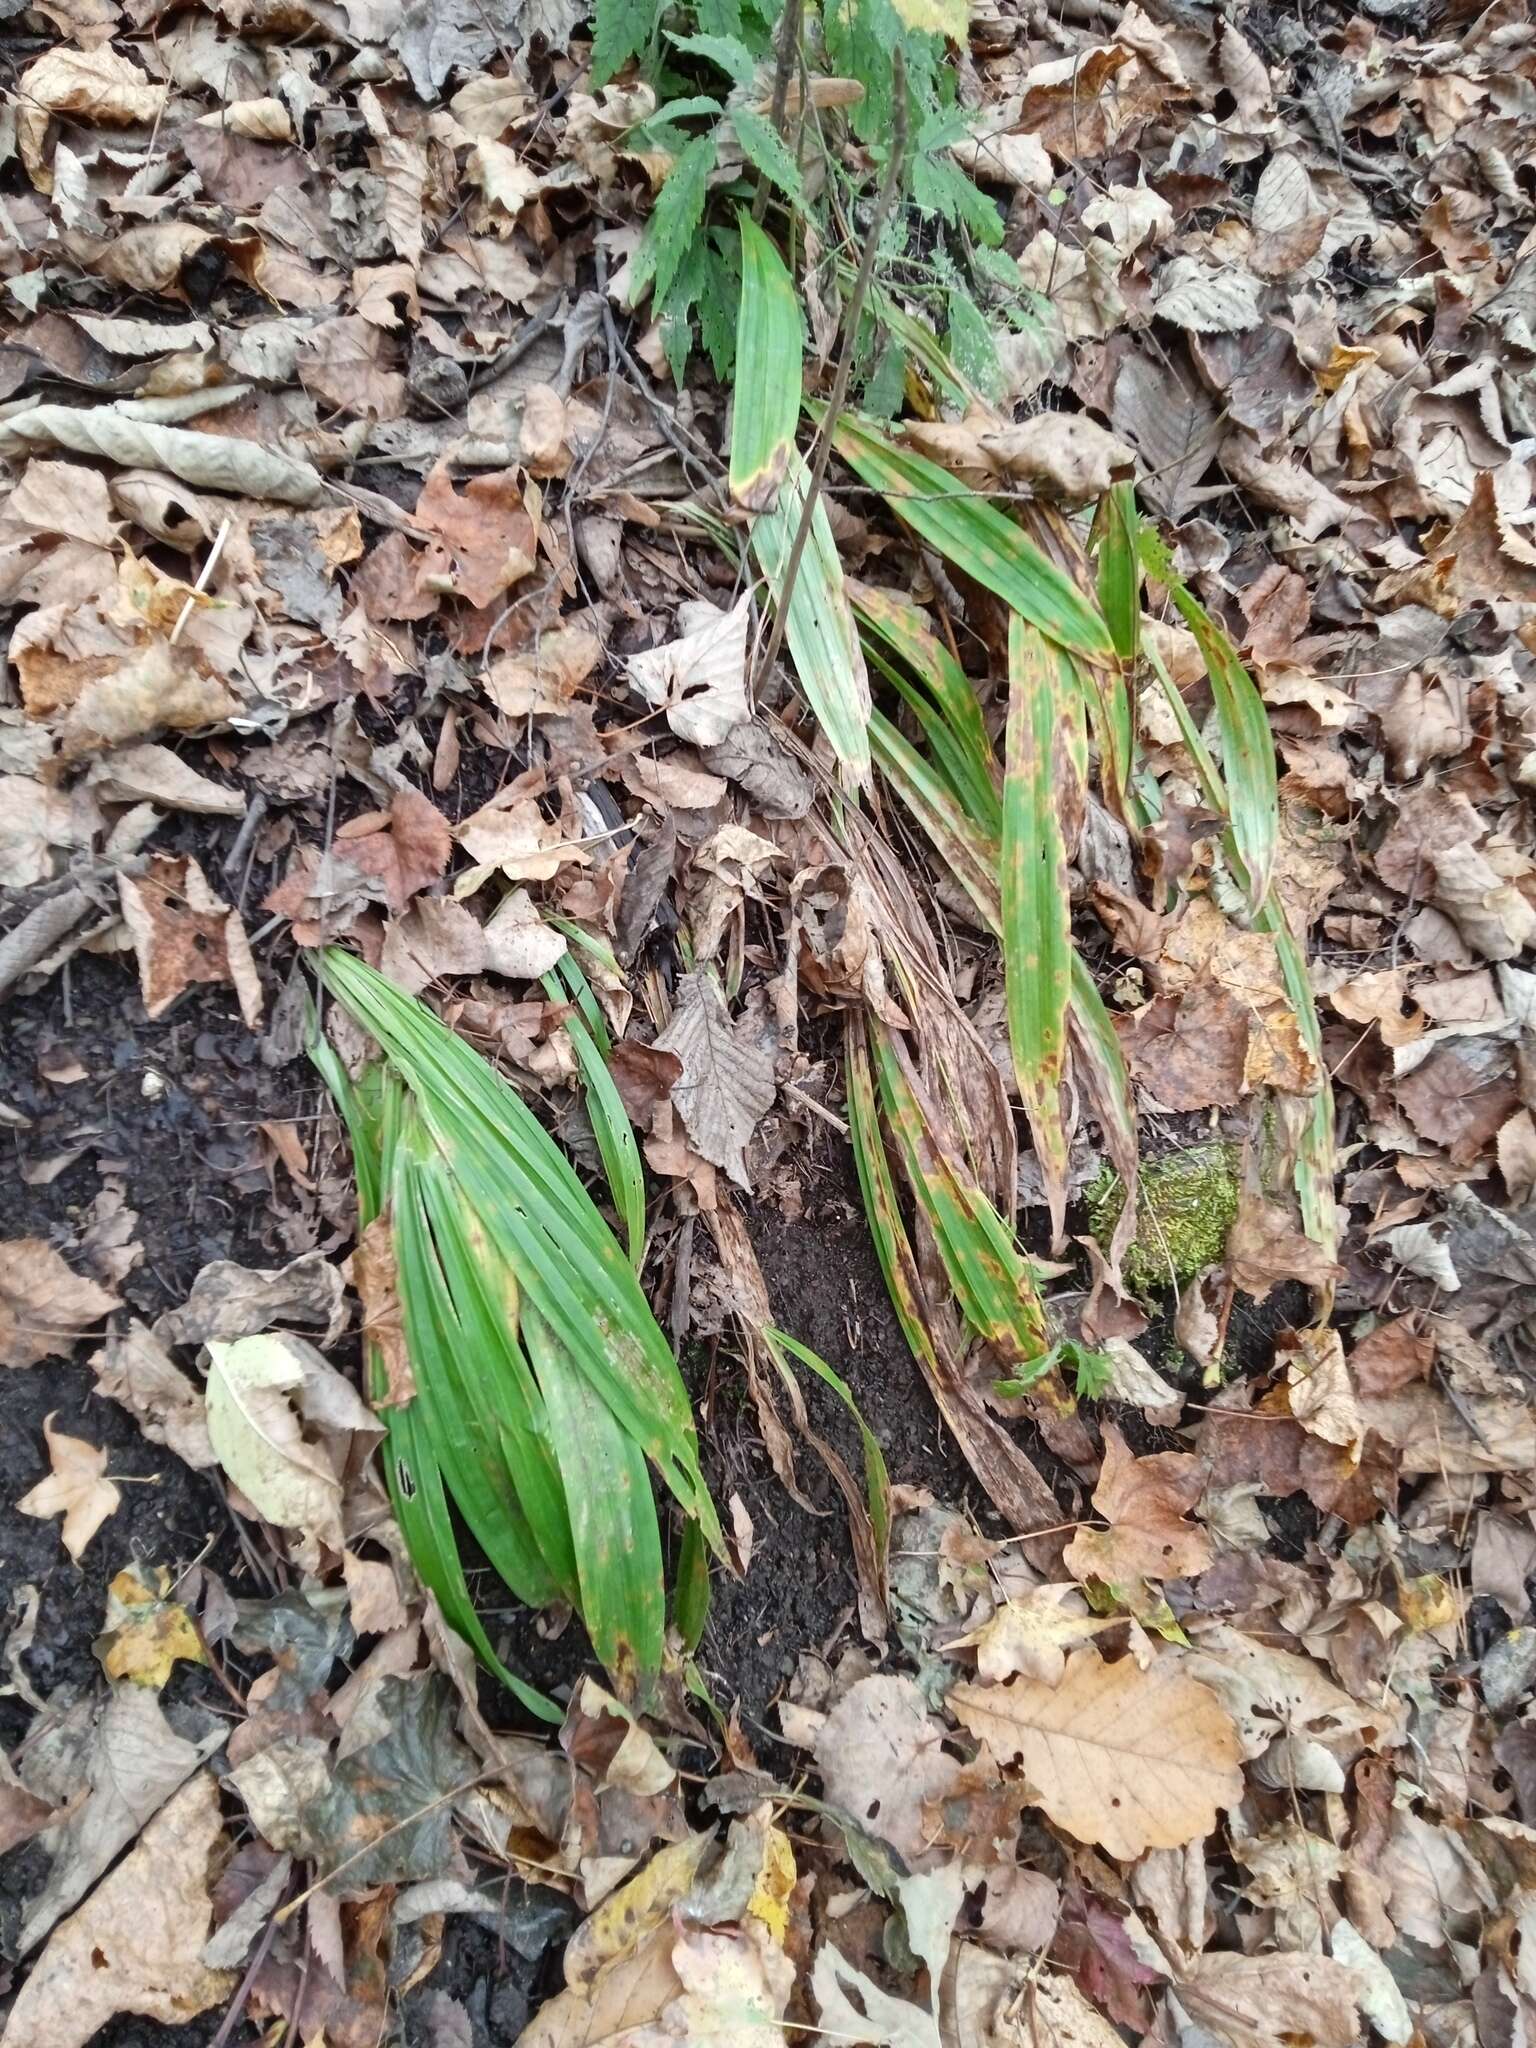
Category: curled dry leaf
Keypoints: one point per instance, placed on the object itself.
(1123, 1758)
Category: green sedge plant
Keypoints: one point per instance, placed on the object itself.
(544, 1395)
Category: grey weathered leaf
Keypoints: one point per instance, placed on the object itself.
(1173, 427)
(130, 1760)
(213, 462)
(727, 1082)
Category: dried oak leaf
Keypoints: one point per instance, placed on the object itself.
(1126, 1759)
(183, 933)
(135, 1946)
(1146, 1502)
(44, 1307)
(727, 1083)
(77, 1488)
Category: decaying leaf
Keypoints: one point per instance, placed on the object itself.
(135, 1946)
(727, 1085)
(44, 1307)
(262, 1391)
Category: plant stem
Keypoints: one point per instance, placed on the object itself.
(853, 313)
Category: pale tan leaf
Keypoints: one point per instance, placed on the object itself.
(44, 1307)
(91, 85)
(135, 1946)
(701, 677)
(1207, 301)
(77, 1488)
(1124, 1758)
(1301, 2001)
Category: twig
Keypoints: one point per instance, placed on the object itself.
(853, 313)
(788, 51)
(202, 581)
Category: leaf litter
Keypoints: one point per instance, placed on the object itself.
(372, 576)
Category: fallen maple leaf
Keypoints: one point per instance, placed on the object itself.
(1124, 1758)
(44, 1307)
(1030, 1635)
(1145, 1501)
(77, 1488)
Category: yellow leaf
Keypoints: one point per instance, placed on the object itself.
(775, 1882)
(936, 17)
(146, 1632)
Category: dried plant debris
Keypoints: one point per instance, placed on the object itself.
(917, 631)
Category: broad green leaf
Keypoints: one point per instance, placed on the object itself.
(765, 404)
(1037, 910)
(542, 1384)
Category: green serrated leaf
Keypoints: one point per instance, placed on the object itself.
(970, 344)
(674, 223)
(621, 29)
(728, 53)
(766, 150)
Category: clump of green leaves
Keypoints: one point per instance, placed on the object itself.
(711, 65)
(515, 1360)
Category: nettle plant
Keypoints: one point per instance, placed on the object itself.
(796, 106)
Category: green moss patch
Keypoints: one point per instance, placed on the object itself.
(1188, 1204)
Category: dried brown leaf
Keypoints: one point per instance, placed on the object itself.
(1123, 1758)
(44, 1308)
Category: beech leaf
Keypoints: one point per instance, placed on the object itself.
(1122, 1758)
